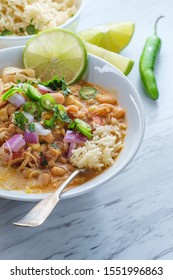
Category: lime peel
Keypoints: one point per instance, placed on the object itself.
(113, 36)
(123, 63)
(56, 52)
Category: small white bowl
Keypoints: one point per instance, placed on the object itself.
(109, 77)
(70, 24)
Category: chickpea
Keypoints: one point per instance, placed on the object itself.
(63, 160)
(57, 171)
(26, 172)
(59, 98)
(4, 114)
(65, 147)
(72, 109)
(11, 128)
(106, 98)
(72, 100)
(118, 113)
(48, 138)
(44, 179)
(35, 147)
(46, 115)
(102, 111)
(92, 108)
(35, 174)
(11, 109)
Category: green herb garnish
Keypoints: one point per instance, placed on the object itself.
(50, 123)
(43, 160)
(31, 127)
(65, 89)
(55, 146)
(56, 83)
(31, 28)
(20, 120)
(6, 32)
(21, 30)
(59, 113)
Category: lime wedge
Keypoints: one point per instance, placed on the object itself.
(56, 52)
(113, 37)
(124, 64)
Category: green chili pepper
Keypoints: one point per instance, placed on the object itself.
(31, 92)
(32, 108)
(147, 63)
(87, 93)
(82, 127)
(10, 92)
(47, 102)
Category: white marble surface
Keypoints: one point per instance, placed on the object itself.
(130, 217)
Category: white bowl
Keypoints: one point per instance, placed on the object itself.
(70, 24)
(105, 75)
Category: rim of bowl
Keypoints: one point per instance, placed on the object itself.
(64, 25)
(82, 189)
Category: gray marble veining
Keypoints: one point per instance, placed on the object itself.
(130, 217)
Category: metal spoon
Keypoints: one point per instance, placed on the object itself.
(41, 211)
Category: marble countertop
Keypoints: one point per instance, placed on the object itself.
(130, 217)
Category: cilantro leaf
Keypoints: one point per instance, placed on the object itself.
(31, 28)
(43, 160)
(21, 30)
(20, 120)
(55, 146)
(59, 113)
(6, 32)
(56, 83)
(31, 127)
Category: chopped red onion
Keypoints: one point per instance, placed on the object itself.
(44, 89)
(29, 117)
(71, 147)
(40, 130)
(17, 100)
(31, 137)
(16, 142)
(9, 149)
(74, 137)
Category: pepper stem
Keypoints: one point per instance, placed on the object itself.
(155, 25)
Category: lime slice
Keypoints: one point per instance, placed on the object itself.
(113, 37)
(124, 64)
(56, 52)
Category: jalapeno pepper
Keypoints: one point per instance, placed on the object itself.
(82, 127)
(31, 92)
(10, 92)
(32, 108)
(47, 102)
(147, 63)
(87, 93)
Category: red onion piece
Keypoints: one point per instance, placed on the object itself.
(31, 137)
(9, 149)
(17, 100)
(44, 89)
(20, 85)
(16, 142)
(71, 147)
(74, 137)
(40, 130)
(29, 117)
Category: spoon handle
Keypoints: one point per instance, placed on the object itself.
(41, 211)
